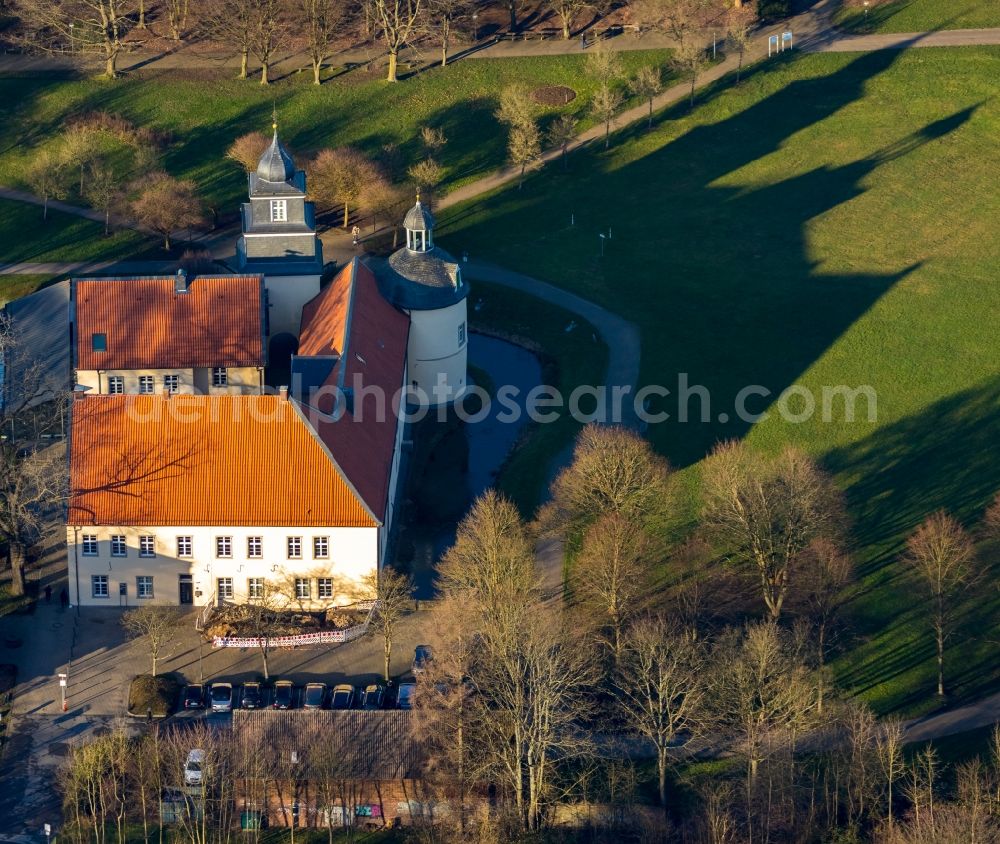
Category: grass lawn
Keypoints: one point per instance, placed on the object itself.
(15, 286)
(919, 15)
(24, 237)
(830, 222)
(351, 108)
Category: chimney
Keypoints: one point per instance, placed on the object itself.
(283, 393)
(181, 281)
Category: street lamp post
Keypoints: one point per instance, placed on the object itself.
(62, 690)
(475, 27)
(72, 44)
(866, 13)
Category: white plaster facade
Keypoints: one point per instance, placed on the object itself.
(437, 351)
(333, 580)
(240, 380)
(286, 296)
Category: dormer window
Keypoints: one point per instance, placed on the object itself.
(279, 210)
(99, 342)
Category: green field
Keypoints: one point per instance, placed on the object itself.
(830, 222)
(351, 108)
(15, 286)
(919, 15)
(25, 237)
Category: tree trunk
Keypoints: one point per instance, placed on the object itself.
(347, 215)
(607, 134)
(45, 208)
(649, 123)
(512, 8)
(694, 79)
(444, 53)
(110, 66)
(661, 765)
(166, 241)
(263, 72)
(142, 14)
(940, 661)
(244, 61)
(565, 29)
(317, 65)
(387, 656)
(263, 654)
(393, 57)
(739, 65)
(520, 181)
(17, 558)
(107, 231)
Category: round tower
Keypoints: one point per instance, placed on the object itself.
(426, 282)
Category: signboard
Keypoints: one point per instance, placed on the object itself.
(786, 38)
(772, 44)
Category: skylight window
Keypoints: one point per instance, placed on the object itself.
(99, 342)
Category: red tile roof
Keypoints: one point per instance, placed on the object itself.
(204, 460)
(373, 356)
(150, 326)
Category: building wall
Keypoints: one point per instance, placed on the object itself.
(243, 380)
(353, 554)
(286, 295)
(385, 532)
(438, 346)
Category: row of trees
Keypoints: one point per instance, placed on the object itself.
(113, 166)
(261, 28)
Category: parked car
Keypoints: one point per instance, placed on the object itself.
(221, 696)
(253, 696)
(314, 696)
(284, 695)
(193, 767)
(194, 696)
(404, 695)
(343, 697)
(421, 656)
(372, 698)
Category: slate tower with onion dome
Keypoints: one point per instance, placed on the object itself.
(426, 282)
(279, 240)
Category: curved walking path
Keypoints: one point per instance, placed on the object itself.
(981, 713)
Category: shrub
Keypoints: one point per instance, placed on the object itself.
(157, 694)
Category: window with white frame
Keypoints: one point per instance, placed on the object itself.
(461, 334)
(294, 547)
(224, 588)
(303, 588)
(116, 385)
(171, 383)
(279, 210)
(324, 586)
(223, 546)
(89, 542)
(321, 547)
(220, 377)
(147, 546)
(255, 588)
(255, 546)
(144, 586)
(99, 585)
(184, 546)
(118, 548)
(146, 385)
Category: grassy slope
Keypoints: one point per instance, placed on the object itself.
(349, 109)
(830, 222)
(920, 15)
(63, 237)
(15, 286)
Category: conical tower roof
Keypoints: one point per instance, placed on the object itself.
(276, 164)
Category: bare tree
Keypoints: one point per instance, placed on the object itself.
(523, 147)
(516, 106)
(765, 512)
(247, 150)
(232, 22)
(262, 614)
(339, 177)
(648, 82)
(690, 60)
(93, 26)
(614, 471)
(393, 593)
(561, 134)
(605, 66)
(321, 20)
(740, 22)
(941, 554)
(442, 15)
(426, 175)
(46, 176)
(991, 519)
(826, 573)
(177, 17)
(605, 105)
(662, 684)
(103, 190)
(167, 205)
(397, 22)
(566, 11)
(612, 571)
(889, 748)
(155, 625)
(383, 199)
(79, 148)
(266, 29)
